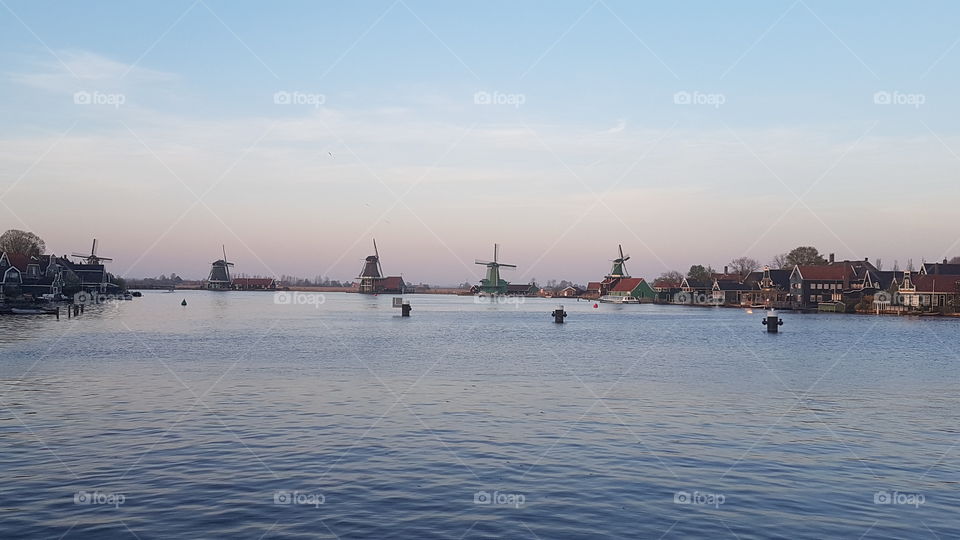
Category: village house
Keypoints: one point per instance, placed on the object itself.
(522, 289)
(254, 284)
(570, 292)
(929, 291)
(939, 268)
(665, 290)
(32, 277)
(768, 288)
(635, 288)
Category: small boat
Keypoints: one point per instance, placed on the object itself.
(619, 299)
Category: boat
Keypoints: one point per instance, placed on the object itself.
(616, 299)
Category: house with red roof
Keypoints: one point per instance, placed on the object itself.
(930, 291)
(627, 289)
(254, 284)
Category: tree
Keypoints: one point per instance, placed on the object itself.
(22, 243)
(779, 261)
(742, 266)
(955, 260)
(805, 255)
(700, 273)
(671, 275)
(878, 263)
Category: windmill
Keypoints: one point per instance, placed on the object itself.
(619, 269)
(372, 271)
(220, 273)
(92, 258)
(492, 284)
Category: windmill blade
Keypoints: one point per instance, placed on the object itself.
(103, 258)
(620, 247)
(624, 259)
(478, 261)
(375, 252)
(93, 250)
(507, 265)
(224, 247)
(80, 255)
(496, 248)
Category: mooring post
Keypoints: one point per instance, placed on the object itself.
(559, 314)
(405, 309)
(772, 322)
(58, 313)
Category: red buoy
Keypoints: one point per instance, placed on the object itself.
(596, 306)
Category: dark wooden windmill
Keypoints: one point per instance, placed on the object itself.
(372, 273)
(219, 278)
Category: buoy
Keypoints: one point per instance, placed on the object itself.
(772, 322)
(184, 302)
(595, 306)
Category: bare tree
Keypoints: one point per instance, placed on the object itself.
(672, 275)
(22, 243)
(878, 263)
(742, 266)
(955, 260)
(779, 261)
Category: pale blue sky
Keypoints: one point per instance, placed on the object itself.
(299, 189)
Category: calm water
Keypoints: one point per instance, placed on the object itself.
(235, 417)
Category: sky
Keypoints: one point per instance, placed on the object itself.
(293, 133)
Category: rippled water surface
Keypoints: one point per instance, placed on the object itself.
(236, 417)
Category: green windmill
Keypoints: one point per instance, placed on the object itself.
(619, 268)
(492, 284)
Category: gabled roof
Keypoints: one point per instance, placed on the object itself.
(837, 271)
(665, 284)
(730, 285)
(19, 261)
(940, 268)
(943, 283)
(593, 286)
(396, 283)
(627, 284)
(511, 288)
(693, 284)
